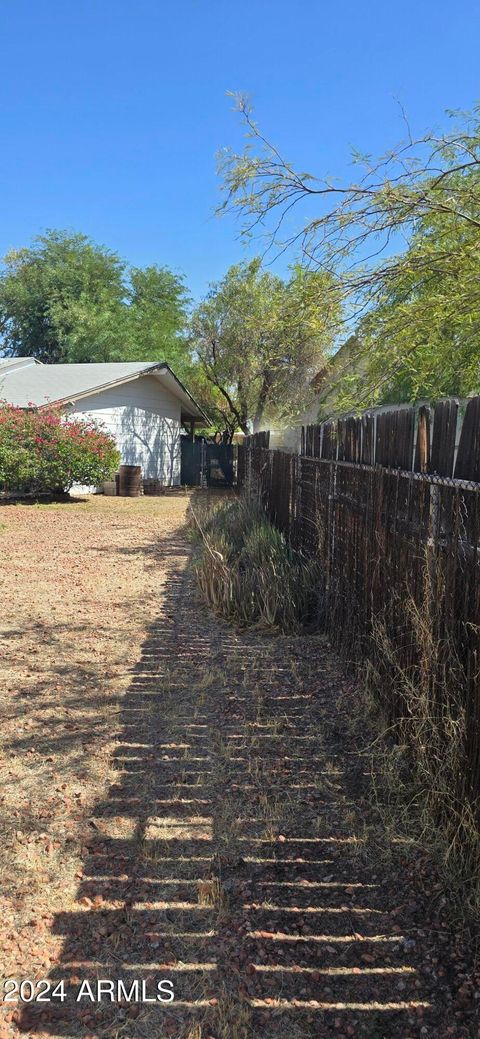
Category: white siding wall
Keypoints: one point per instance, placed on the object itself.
(145, 420)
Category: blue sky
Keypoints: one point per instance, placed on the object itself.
(113, 110)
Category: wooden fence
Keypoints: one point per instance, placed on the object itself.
(389, 505)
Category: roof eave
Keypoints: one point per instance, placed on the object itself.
(101, 386)
(197, 415)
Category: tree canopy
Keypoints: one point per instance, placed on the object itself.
(421, 339)
(401, 243)
(258, 341)
(65, 299)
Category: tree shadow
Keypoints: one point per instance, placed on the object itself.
(43, 500)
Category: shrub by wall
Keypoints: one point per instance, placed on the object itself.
(45, 451)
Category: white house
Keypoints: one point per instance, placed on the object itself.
(143, 405)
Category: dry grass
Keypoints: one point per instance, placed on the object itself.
(246, 571)
(82, 582)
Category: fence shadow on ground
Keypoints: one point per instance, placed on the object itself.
(225, 856)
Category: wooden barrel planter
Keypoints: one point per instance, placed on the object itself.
(153, 486)
(110, 487)
(130, 481)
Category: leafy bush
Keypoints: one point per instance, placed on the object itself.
(45, 451)
(248, 573)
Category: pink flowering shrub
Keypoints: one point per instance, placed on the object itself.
(46, 451)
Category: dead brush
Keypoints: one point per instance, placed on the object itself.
(248, 573)
(233, 1016)
(211, 893)
(195, 1032)
(420, 766)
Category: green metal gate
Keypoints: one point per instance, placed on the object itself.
(207, 465)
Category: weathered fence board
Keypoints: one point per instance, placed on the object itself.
(422, 446)
(444, 437)
(467, 466)
(394, 438)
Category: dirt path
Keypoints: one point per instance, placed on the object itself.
(184, 802)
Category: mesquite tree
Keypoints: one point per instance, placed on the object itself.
(402, 243)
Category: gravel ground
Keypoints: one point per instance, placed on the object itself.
(186, 802)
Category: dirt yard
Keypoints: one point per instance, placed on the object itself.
(188, 803)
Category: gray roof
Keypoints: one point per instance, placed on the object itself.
(10, 363)
(25, 382)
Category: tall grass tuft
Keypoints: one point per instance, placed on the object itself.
(248, 573)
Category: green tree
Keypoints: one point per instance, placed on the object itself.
(421, 339)
(158, 316)
(66, 299)
(259, 339)
(47, 288)
(403, 240)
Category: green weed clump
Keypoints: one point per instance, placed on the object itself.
(248, 573)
